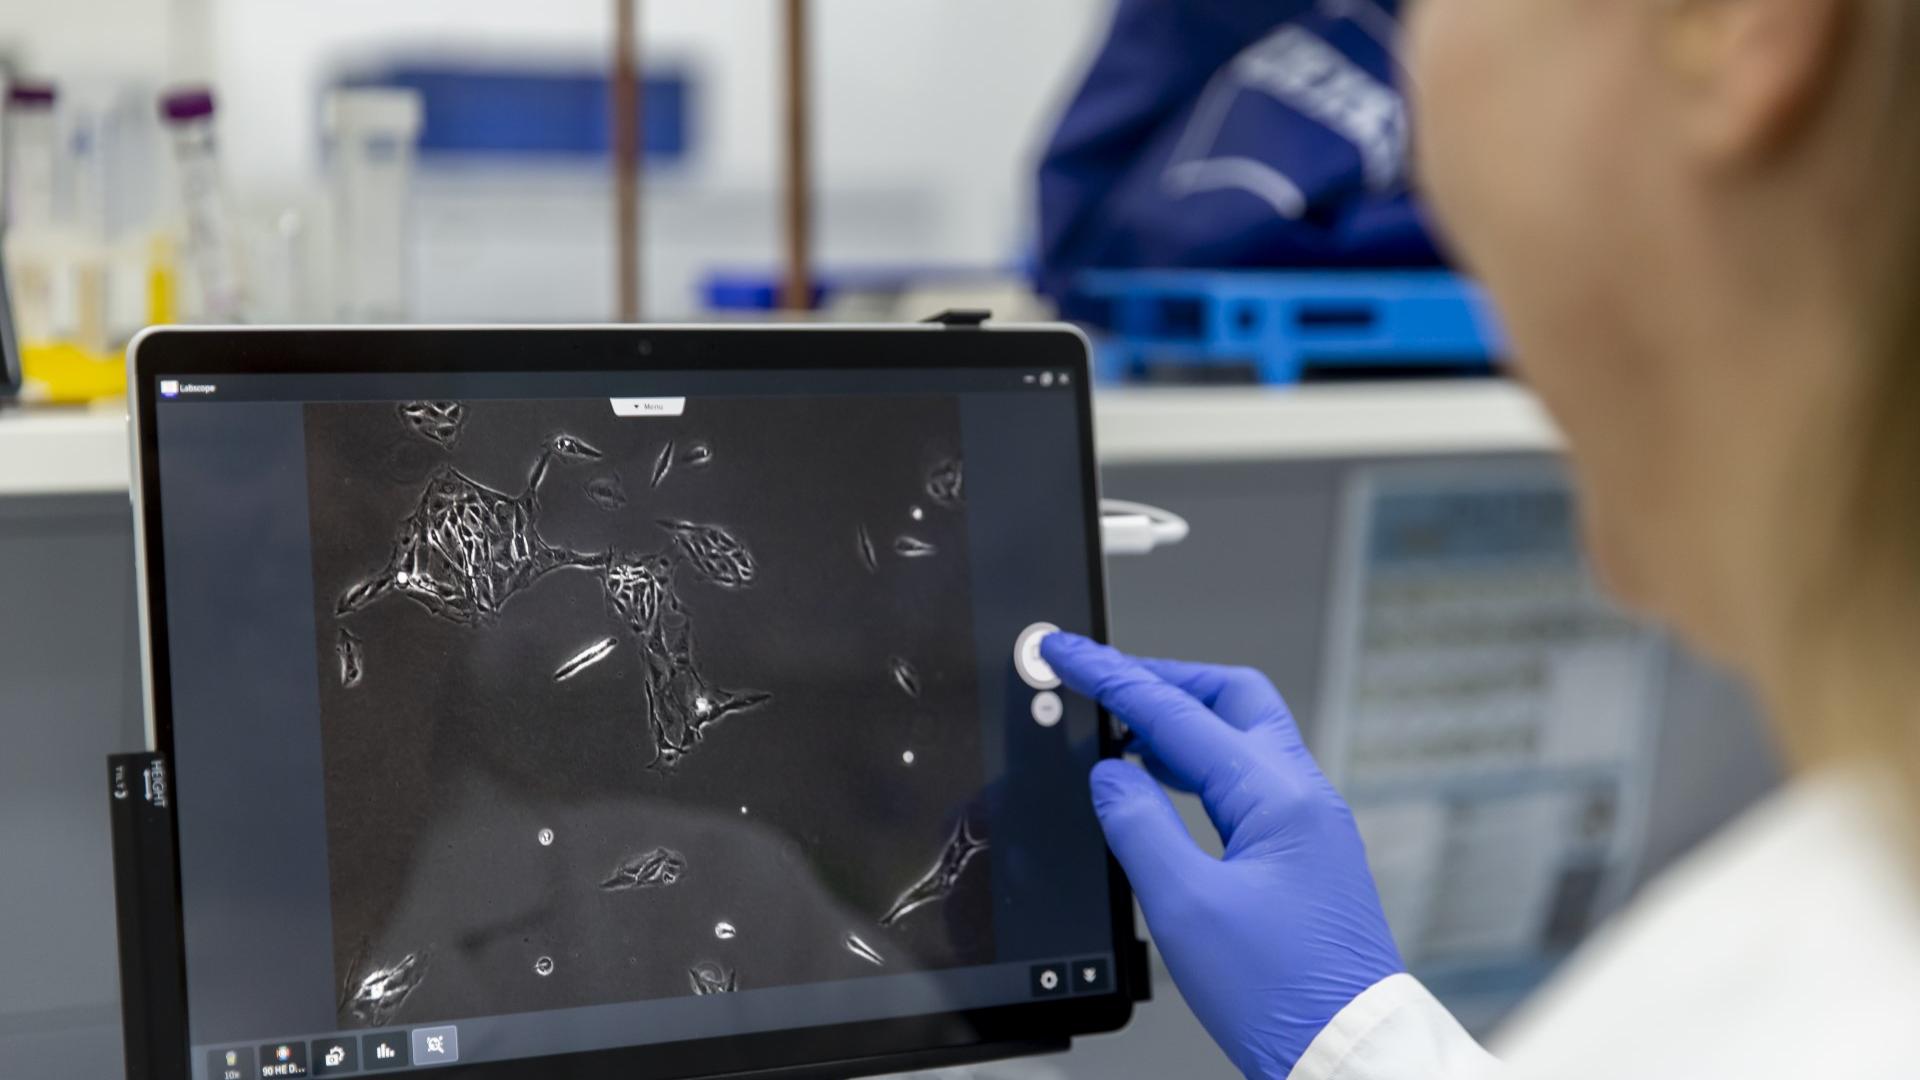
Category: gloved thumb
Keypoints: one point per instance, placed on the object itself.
(1144, 829)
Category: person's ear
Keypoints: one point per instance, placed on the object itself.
(1749, 71)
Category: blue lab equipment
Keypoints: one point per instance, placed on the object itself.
(557, 114)
(1226, 134)
(1273, 939)
(1283, 326)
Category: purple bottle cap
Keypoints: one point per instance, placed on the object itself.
(191, 103)
(30, 93)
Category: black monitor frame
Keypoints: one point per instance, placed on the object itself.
(9, 341)
(841, 1050)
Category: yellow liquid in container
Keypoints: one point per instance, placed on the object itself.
(63, 373)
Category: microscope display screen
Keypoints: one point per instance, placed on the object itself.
(565, 713)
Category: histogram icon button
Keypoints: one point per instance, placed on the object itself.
(387, 1050)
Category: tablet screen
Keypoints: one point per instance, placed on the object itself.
(517, 714)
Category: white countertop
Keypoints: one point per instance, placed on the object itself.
(66, 451)
(80, 451)
(1147, 425)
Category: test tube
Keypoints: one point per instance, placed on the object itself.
(210, 253)
(31, 152)
(29, 132)
(370, 140)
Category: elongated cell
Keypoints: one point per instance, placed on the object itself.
(696, 455)
(941, 878)
(711, 977)
(607, 492)
(653, 869)
(863, 543)
(436, 421)
(662, 465)
(374, 997)
(364, 592)
(467, 548)
(944, 482)
(863, 950)
(346, 648)
(905, 675)
(585, 659)
(724, 930)
(713, 553)
(912, 547)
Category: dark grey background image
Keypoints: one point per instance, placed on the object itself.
(458, 747)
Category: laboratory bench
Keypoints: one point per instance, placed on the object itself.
(1261, 475)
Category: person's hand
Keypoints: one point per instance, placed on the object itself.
(1270, 941)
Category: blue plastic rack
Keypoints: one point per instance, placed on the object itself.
(1282, 324)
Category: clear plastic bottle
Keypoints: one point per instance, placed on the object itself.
(31, 154)
(211, 253)
(371, 134)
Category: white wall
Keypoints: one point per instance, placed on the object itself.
(928, 112)
(86, 37)
(949, 96)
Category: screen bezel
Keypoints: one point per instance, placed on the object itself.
(232, 351)
(10, 362)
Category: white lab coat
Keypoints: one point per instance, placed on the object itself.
(1788, 946)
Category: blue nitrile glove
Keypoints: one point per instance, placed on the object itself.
(1270, 941)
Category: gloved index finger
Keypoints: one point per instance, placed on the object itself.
(1182, 734)
(1241, 696)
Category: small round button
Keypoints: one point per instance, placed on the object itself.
(1047, 708)
(1027, 662)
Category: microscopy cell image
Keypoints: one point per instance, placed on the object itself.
(864, 951)
(373, 996)
(905, 675)
(607, 492)
(912, 547)
(467, 548)
(639, 588)
(712, 977)
(652, 869)
(942, 877)
(347, 649)
(678, 700)
(435, 421)
(681, 705)
(713, 553)
(943, 482)
(662, 465)
(634, 729)
(585, 659)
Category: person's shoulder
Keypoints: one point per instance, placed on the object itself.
(1795, 932)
